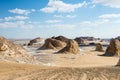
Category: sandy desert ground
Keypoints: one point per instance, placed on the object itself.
(87, 65)
(13, 71)
(88, 57)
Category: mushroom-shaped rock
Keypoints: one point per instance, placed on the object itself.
(99, 47)
(80, 40)
(53, 44)
(71, 47)
(61, 38)
(113, 49)
(36, 40)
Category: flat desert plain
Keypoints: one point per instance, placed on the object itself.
(87, 65)
(14, 71)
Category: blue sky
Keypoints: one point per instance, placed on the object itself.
(70, 18)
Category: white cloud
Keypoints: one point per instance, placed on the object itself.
(33, 10)
(53, 21)
(7, 25)
(58, 16)
(34, 22)
(93, 6)
(93, 23)
(106, 16)
(65, 16)
(58, 26)
(21, 24)
(15, 18)
(64, 26)
(110, 3)
(60, 6)
(20, 11)
(48, 9)
(61, 26)
(71, 16)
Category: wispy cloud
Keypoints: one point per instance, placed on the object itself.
(15, 18)
(93, 6)
(63, 26)
(108, 16)
(33, 10)
(60, 6)
(53, 21)
(58, 16)
(60, 26)
(93, 23)
(21, 24)
(71, 16)
(65, 16)
(110, 3)
(21, 11)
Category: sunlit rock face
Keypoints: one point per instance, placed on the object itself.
(12, 52)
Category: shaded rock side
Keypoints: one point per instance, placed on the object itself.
(61, 38)
(71, 47)
(36, 40)
(53, 44)
(99, 47)
(113, 49)
(80, 40)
